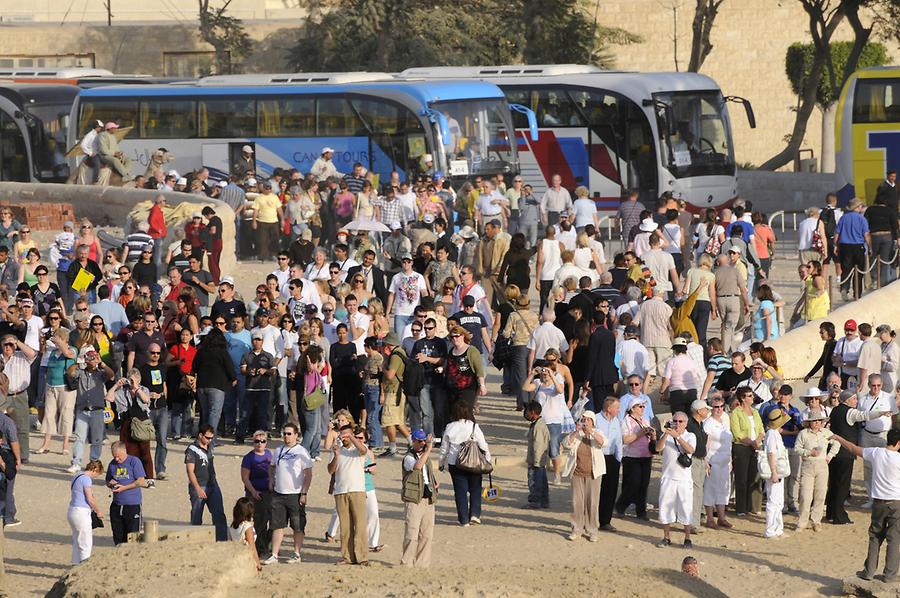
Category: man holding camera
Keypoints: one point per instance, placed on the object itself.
(418, 493)
(89, 375)
(125, 478)
(676, 485)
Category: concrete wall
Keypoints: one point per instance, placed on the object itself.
(788, 191)
(111, 206)
(800, 348)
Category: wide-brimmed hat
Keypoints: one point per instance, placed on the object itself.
(812, 393)
(467, 232)
(777, 418)
(590, 415)
(815, 416)
(391, 339)
(648, 225)
(523, 301)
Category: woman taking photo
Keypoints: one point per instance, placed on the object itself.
(586, 465)
(548, 387)
(81, 505)
(717, 487)
(466, 485)
(747, 437)
(637, 438)
(59, 402)
(133, 402)
(463, 368)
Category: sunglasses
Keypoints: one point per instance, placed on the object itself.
(287, 433)
(24, 231)
(454, 336)
(86, 227)
(9, 344)
(327, 311)
(54, 318)
(124, 272)
(153, 352)
(429, 327)
(335, 271)
(93, 323)
(220, 323)
(282, 259)
(208, 437)
(634, 384)
(259, 441)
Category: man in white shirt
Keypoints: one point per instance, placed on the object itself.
(290, 475)
(556, 199)
(343, 259)
(357, 323)
(407, 199)
(406, 288)
(489, 205)
(634, 359)
(846, 354)
(270, 334)
(885, 466)
(874, 432)
(676, 486)
(283, 272)
(662, 267)
(869, 359)
(90, 146)
(805, 231)
(546, 336)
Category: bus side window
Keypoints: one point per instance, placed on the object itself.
(335, 118)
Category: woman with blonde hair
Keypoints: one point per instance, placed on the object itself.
(446, 295)
(694, 279)
(358, 288)
(81, 505)
(87, 237)
(379, 325)
(586, 257)
(817, 303)
(585, 210)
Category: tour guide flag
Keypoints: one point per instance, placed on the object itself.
(82, 281)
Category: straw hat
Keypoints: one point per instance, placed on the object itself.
(777, 418)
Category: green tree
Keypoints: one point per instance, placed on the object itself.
(224, 33)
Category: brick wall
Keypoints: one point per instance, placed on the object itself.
(40, 215)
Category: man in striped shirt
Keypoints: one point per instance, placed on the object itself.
(356, 179)
(718, 362)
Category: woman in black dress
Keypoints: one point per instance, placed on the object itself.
(346, 390)
(515, 268)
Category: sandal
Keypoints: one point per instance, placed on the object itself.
(42, 451)
(378, 548)
(343, 562)
(329, 538)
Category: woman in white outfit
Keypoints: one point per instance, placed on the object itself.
(676, 486)
(717, 488)
(80, 506)
(774, 448)
(890, 358)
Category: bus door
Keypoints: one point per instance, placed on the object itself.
(219, 156)
(13, 151)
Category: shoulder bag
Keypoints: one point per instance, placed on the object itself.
(142, 430)
(316, 398)
(471, 458)
(782, 463)
(684, 459)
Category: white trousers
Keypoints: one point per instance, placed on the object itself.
(774, 505)
(373, 525)
(82, 534)
(676, 501)
(867, 440)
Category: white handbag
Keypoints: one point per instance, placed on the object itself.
(782, 464)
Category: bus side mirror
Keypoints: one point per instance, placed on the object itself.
(440, 119)
(532, 119)
(748, 108)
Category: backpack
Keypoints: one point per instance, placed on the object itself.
(713, 246)
(413, 378)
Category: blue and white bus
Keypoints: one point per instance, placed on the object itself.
(612, 131)
(385, 124)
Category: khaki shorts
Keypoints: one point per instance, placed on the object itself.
(393, 414)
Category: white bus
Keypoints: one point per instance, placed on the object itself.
(614, 131)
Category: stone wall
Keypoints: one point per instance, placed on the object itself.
(750, 38)
(788, 191)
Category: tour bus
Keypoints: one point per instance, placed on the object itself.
(614, 131)
(465, 127)
(34, 120)
(867, 131)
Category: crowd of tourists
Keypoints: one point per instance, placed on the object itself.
(360, 347)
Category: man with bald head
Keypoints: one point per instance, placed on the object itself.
(153, 377)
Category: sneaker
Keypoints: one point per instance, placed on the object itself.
(293, 559)
(12, 522)
(388, 453)
(572, 537)
(270, 561)
(688, 543)
(151, 484)
(664, 543)
(73, 469)
(475, 520)
(592, 538)
(161, 475)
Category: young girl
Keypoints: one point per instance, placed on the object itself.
(242, 529)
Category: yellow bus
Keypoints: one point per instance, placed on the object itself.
(867, 131)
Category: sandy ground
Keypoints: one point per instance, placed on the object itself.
(514, 553)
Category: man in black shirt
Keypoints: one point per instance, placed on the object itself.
(889, 192)
(226, 305)
(213, 241)
(258, 367)
(475, 323)
(139, 344)
(153, 376)
(201, 280)
(180, 259)
(431, 352)
(730, 378)
(585, 298)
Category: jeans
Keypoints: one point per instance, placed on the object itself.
(700, 318)
(467, 493)
(312, 435)
(160, 419)
(372, 395)
(262, 514)
(212, 400)
(852, 256)
(518, 372)
(255, 411)
(280, 398)
(234, 398)
(158, 253)
(8, 500)
(178, 420)
(530, 230)
(213, 502)
(883, 248)
(538, 487)
(421, 413)
(88, 421)
(437, 398)
(400, 322)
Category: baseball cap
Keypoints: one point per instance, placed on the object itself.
(679, 342)
(181, 181)
(699, 404)
(468, 301)
(631, 329)
(406, 256)
(262, 311)
(495, 222)
(326, 150)
(428, 218)
(226, 280)
(786, 390)
(256, 334)
(850, 325)
(251, 181)
(247, 149)
(734, 249)
(196, 215)
(173, 173)
(419, 434)
(395, 225)
(68, 224)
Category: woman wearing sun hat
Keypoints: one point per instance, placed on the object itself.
(815, 401)
(815, 452)
(775, 451)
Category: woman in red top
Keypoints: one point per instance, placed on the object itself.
(181, 383)
(764, 239)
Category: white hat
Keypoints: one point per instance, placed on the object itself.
(648, 225)
(196, 215)
(734, 249)
(813, 392)
(467, 232)
(247, 149)
(699, 404)
(589, 414)
(226, 280)
(223, 183)
(428, 218)
(395, 225)
(181, 181)
(98, 123)
(173, 173)
(326, 150)
(251, 181)
(427, 158)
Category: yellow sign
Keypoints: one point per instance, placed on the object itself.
(492, 493)
(82, 281)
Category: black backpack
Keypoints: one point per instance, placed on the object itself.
(413, 378)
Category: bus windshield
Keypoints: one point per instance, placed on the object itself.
(480, 133)
(48, 138)
(694, 133)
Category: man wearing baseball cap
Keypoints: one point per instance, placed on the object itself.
(111, 155)
(245, 163)
(323, 167)
(90, 146)
(846, 354)
(418, 493)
